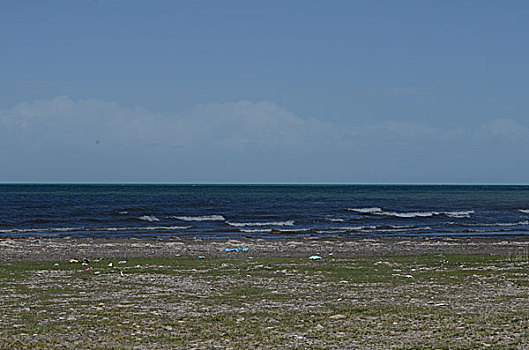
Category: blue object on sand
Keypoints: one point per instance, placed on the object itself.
(238, 249)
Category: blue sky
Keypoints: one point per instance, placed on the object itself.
(264, 91)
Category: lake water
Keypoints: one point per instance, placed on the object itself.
(267, 211)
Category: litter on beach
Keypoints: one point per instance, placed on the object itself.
(238, 249)
(315, 257)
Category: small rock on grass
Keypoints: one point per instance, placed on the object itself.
(337, 317)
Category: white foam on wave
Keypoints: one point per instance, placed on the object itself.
(496, 224)
(393, 230)
(150, 218)
(199, 218)
(94, 229)
(269, 223)
(400, 226)
(148, 228)
(372, 210)
(352, 228)
(255, 230)
(30, 230)
(414, 214)
(335, 219)
(458, 214)
(372, 229)
(291, 230)
(162, 228)
(524, 211)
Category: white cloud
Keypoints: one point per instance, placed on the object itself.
(242, 126)
(232, 126)
(508, 129)
(259, 126)
(238, 140)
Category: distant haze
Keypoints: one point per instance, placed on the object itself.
(264, 92)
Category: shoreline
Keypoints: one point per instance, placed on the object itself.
(55, 249)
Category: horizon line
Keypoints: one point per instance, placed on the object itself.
(275, 183)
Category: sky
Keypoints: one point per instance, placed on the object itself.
(264, 91)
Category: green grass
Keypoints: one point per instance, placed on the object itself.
(427, 301)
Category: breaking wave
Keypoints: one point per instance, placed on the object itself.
(94, 229)
(497, 224)
(291, 230)
(373, 229)
(415, 214)
(255, 230)
(335, 219)
(373, 210)
(524, 211)
(376, 228)
(351, 228)
(269, 223)
(199, 218)
(149, 218)
(458, 214)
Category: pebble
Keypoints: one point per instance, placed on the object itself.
(337, 317)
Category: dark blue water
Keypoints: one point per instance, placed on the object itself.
(262, 211)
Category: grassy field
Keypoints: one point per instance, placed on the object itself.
(408, 302)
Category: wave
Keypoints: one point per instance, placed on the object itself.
(524, 211)
(335, 219)
(393, 230)
(373, 229)
(365, 210)
(351, 228)
(458, 214)
(379, 212)
(291, 230)
(150, 218)
(398, 226)
(199, 218)
(496, 224)
(94, 229)
(269, 223)
(416, 214)
(496, 230)
(258, 230)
